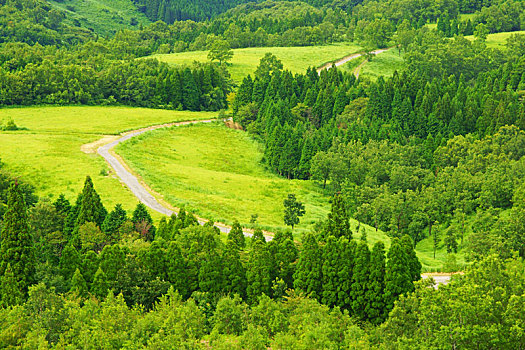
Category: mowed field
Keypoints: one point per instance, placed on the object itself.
(384, 64)
(498, 40)
(245, 61)
(48, 153)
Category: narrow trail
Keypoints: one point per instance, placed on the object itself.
(123, 171)
(346, 59)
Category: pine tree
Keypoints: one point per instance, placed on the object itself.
(91, 208)
(99, 287)
(16, 244)
(307, 276)
(112, 223)
(112, 260)
(413, 261)
(330, 272)
(210, 273)
(190, 91)
(284, 255)
(78, 285)
(10, 292)
(234, 271)
(347, 251)
(237, 236)
(338, 223)
(69, 261)
(360, 281)
(89, 265)
(176, 269)
(258, 236)
(155, 261)
(143, 222)
(258, 272)
(376, 304)
(398, 279)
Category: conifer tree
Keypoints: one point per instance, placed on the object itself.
(330, 272)
(376, 304)
(162, 230)
(237, 236)
(143, 222)
(112, 260)
(338, 223)
(69, 261)
(112, 223)
(176, 269)
(258, 236)
(16, 244)
(190, 91)
(210, 273)
(99, 287)
(91, 208)
(78, 285)
(10, 292)
(258, 272)
(234, 271)
(155, 260)
(307, 276)
(398, 279)
(413, 262)
(360, 281)
(284, 255)
(89, 265)
(72, 216)
(347, 251)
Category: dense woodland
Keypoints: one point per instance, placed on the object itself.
(434, 152)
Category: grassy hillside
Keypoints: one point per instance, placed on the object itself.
(384, 64)
(48, 154)
(245, 61)
(105, 17)
(497, 40)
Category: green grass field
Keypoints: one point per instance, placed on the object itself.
(106, 17)
(383, 64)
(498, 40)
(245, 61)
(48, 154)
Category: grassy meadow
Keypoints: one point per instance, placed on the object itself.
(498, 40)
(48, 153)
(245, 61)
(384, 64)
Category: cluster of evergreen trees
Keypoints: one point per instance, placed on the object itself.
(84, 250)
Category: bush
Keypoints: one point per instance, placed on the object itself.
(10, 125)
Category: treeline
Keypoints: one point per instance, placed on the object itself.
(38, 75)
(85, 251)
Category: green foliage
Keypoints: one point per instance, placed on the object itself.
(10, 292)
(236, 235)
(293, 210)
(307, 276)
(143, 222)
(220, 51)
(338, 224)
(78, 285)
(99, 287)
(91, 208)
(112, 223)
(398, 278)
(375, 310)
(258, 271)
(229, 316)
(69, 261)
(16, 244)
(9, 125)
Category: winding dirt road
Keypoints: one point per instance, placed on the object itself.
(132, 182)
(347, 59)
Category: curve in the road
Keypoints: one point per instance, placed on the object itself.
(132, 182)
(346, 59)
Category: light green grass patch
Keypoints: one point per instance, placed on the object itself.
(384, 64)
(48, 154)
(497, 40)
(245, 61)
(217, 173)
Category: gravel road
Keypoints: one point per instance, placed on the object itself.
(347, 59)
(131, 181)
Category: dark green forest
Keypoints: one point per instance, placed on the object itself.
(434, 152)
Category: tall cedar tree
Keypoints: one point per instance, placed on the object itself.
(143, 222)
(413, 262)
(176, 269)
(347, 251)
(78, 285)
(376, 285)
(360, 281)
(69, 261)
(338, 223)
(307, 276)
(211, 279)
(330, 277)
(236, 235)
(112, 223)
(234, 271)
(398, 278)
(10, 292)
(99, 287)
(112, 260)
(91, 208)
(258, 272)
(89, 265)
(284, 255)
(16, 243)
